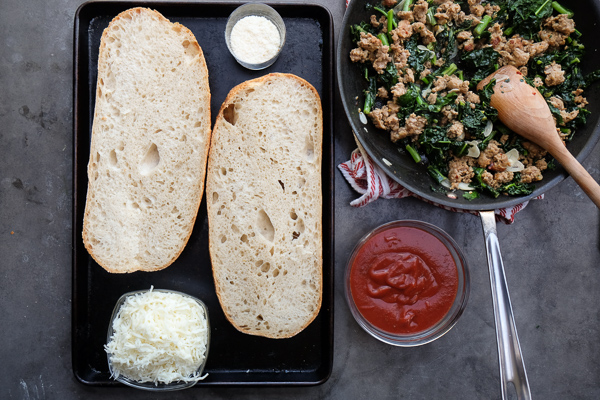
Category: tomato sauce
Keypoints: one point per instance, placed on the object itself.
(403, 280)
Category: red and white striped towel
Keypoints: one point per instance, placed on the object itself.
(368, 179)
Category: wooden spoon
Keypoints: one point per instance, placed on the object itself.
(524, 110)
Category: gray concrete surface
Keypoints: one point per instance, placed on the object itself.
(551, 254)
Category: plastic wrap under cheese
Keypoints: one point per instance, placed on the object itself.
(158, 337)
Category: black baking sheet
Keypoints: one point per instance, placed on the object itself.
(234, 358)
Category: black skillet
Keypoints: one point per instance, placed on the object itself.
(415, 178)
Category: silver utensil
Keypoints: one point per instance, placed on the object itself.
(512, 367)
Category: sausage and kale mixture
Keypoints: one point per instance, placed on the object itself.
(423, 60)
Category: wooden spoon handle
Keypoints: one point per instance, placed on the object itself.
(578, 173)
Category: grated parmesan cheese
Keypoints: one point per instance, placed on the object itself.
(158, 337)
(255, 39)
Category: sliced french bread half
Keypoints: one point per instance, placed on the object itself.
(149, 143)
(264, 201)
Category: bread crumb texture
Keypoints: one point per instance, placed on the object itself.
(265, 205)
(149, 143)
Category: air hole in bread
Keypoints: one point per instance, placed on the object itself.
(110, 82)
(293, 215)
(191, 49)
(175, 210)
(301, 182)
(265, 226)
(259, 317)
(295, 235)
(150, 160)
(223, 238)
(282, 185)
(244, 238)
(265, 267)
(275, 273)
(262, 149)
(147, 202)
(112, 158)
(300, 226)
(272, 251)
(223, 171)
(230, 114)
(121, 146)
(215, 197)
(309, 149)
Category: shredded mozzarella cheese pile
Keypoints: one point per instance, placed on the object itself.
(158, 337)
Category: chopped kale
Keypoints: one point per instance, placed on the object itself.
(436, 174)
(418, 56)
(479, 184)
(527, 15)
(472, 195)
(436, 145)
(355, 30)
(516, 187)
(389, 77)
(475, 117)
(370, 95)
(482, 62)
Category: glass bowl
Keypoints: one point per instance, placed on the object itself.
(151, 386)
(258, 10)
(375, 266)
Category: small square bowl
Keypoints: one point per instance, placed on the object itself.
(151, 386)
(399, 282)
(258, 10)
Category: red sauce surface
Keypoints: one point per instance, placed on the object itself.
(403, 280)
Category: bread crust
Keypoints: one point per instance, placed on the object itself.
(222, 285)
(91, 234)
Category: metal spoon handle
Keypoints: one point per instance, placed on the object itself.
(512, 368)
